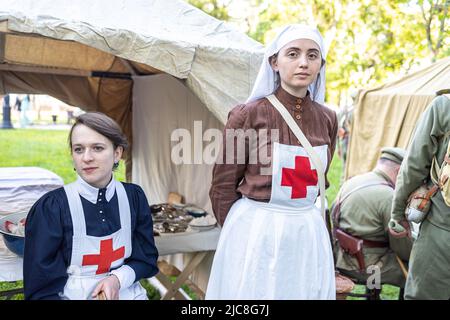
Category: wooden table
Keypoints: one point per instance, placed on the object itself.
(199, 243)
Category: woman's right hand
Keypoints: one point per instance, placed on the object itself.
(110, 286)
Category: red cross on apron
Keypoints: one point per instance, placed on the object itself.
(106, 257)
(299, 178)
(295, 180)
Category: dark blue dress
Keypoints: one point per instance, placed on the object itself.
(49, 231)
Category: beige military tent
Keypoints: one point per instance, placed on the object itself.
(386, 115)
(155, 66)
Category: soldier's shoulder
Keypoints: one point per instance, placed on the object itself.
(441, 104)
(442, 99)
(374, 183)
(366, 177)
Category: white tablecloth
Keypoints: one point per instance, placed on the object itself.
(188, 242)
(20, 188)
(11, 265)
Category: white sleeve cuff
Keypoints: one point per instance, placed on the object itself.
(126, 276)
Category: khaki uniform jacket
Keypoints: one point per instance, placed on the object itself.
(365, 214)
(429, 272)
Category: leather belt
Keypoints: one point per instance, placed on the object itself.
(375, 244)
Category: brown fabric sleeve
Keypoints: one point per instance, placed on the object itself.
(227, 177)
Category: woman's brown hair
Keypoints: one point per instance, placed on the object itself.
(104, 125)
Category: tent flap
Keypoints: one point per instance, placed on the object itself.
(386, 116)
(170, 36)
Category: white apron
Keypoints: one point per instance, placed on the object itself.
(280, 249)
(93, 257)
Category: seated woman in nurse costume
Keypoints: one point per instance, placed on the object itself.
(93, 235)
(274, 243)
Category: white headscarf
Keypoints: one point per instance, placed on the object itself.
(266, 81)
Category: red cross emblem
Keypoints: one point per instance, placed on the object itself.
(299, 178)
(106, 257)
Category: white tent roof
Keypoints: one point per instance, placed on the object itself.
(218, 62)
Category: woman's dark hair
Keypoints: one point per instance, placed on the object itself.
(277, 78)
(104, 125)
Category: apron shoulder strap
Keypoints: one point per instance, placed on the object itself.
(76, 209)
(124, 209)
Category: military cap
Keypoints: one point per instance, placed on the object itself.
(393, 154)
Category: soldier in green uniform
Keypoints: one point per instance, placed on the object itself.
(429, 269)
(362, 211)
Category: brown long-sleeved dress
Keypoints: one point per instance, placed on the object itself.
(233, 180)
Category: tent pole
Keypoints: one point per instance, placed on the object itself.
(44, 70)
(64, 72)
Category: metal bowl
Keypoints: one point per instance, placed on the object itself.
(194, 211)
(13, 242)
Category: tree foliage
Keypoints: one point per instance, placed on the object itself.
(435, 15)
(215, 8)
(370, 41)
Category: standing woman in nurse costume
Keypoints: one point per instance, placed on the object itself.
(274, 242)
(93, 235)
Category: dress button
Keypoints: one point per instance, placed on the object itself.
(99, 199)
(100, 193)
(298, 117)
(103, 220)
(101, 211)
(297, 106)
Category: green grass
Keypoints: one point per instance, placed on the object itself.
(185, 288)
(334, 177)
(387, 293)
(152, 292)
(12, 285)
(49, 149)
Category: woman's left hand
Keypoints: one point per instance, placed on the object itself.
(110, 286)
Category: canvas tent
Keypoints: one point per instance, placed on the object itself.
(85, 52)
(152, 65)
(91, 53)
(386, 115)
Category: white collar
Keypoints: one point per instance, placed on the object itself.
(91, 193)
